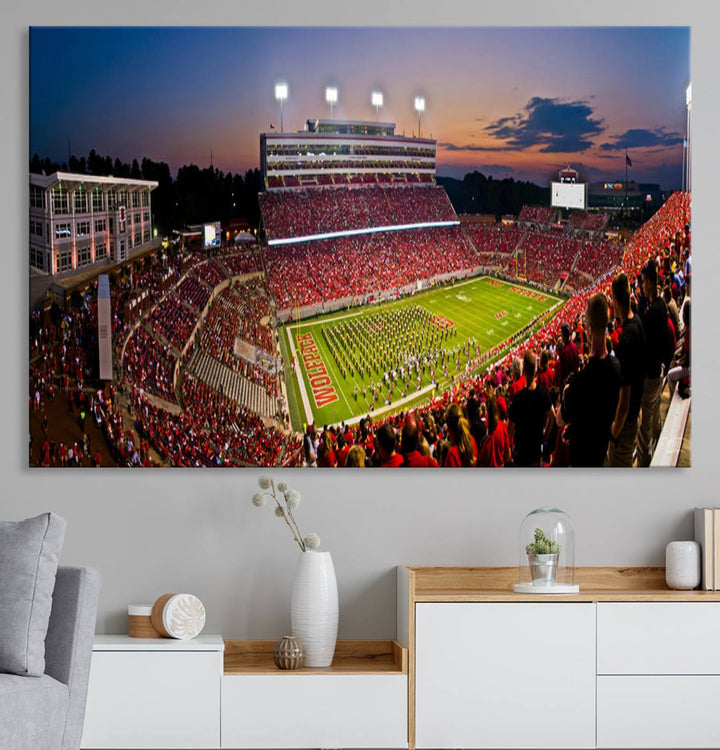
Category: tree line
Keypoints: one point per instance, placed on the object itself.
(477, 194)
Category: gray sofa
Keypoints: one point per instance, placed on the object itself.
(47, 712)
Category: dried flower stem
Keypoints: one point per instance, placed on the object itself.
(297, 536)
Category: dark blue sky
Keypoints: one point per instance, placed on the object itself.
(506, 101)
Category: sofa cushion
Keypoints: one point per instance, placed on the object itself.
(29, 552)
(32, 712)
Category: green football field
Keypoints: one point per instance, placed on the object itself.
(384, 357)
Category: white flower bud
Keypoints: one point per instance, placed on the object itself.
(293, 495)
(265, 482)
(279, 512)
(282, 486)
(258, 499)
(312, 540)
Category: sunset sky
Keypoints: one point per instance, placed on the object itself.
(512, 101)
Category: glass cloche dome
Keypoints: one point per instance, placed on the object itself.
(546, 553)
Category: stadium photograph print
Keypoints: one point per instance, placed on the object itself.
(370, 271)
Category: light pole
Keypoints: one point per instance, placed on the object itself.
(281, 94)
(331, 96)
(419, 108)
(377, 102)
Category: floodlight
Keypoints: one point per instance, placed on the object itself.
(281, 94)
(377, 101)
(281, 91)
(331, 97)
(419, 108)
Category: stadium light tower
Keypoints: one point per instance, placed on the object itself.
(419, 108)
(377, 102)
(331, 98)
(281, 94)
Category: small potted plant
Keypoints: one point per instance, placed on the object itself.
(543, 555)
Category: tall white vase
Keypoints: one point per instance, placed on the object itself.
(314, 607)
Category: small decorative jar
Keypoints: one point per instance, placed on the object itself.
(288, 653)
(140, 622)
(179, 616)
(682, 565)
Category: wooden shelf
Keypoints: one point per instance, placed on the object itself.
(351, 657)
(632, 584)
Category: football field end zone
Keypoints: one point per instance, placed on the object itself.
(300, 379)
(291, 328)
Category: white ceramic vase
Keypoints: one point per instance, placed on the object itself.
(314, 607)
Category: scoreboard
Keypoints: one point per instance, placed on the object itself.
(569, 195)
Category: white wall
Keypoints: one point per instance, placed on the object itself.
(172, 530)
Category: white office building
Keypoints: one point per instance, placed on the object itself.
(79, 220)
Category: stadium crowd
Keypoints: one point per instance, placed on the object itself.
(537, 214)
(312, 272)
(309, 211)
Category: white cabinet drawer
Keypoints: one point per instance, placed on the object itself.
(658, 638)
(311, 711)
(153, 699)
(660, 711)
(496, 675)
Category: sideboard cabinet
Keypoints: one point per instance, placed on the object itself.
(626, 663)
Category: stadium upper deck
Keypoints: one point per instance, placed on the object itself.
(345, 152)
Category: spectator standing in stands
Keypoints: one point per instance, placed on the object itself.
(495, 450)
(673, 311)
(630, 351)
(681, 371)
(463, 448)
(309, 446)
(590, 397)
(326, 451)
(530, 416)
(568, 358)
(410, 446)
(385, 437)
(355, 457)
(658, 354)
(545, 375)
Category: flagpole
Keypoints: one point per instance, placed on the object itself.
(626, 166)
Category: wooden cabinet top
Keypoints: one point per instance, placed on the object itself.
(351, 657)
(597, 584)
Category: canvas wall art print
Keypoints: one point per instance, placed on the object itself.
(359, 247)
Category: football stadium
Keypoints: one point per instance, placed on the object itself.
(367, 323)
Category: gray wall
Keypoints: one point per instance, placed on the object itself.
(182, 530)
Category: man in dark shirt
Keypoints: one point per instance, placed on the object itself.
(657, 347)
(530, 417)
(590, 398)
(630, 352)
